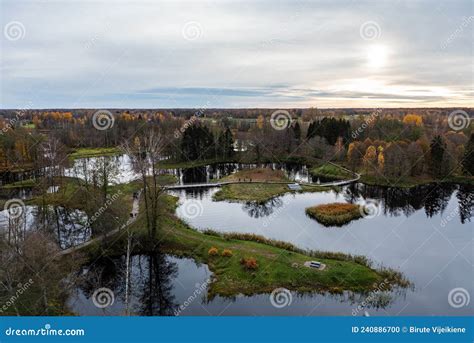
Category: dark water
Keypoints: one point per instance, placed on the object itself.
(203, 174)
(68, 227)
(425, 232)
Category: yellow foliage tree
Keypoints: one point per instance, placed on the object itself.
(413, 119)
(260, 121)
(380, 158)
(370, 157)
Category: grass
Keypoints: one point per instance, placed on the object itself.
(331, 171)
(280, 264)
(258, 174)
(94, 152)
(21, 184)
(335, 214)
(258, 192)
(258, 189)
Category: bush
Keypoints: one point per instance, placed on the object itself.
(249, 263)
(213, 251)
(227, 253)
(335, 214)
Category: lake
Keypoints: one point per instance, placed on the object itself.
(425, 232)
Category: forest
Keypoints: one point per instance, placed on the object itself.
(382, 144)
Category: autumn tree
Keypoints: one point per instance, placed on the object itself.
(370, 158)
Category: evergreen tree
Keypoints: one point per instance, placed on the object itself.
(437, 150)
(468, 159)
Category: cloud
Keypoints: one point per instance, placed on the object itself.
(246, 54)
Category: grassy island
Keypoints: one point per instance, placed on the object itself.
(259, 185)
(335, 214)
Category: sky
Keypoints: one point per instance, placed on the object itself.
(236, 54)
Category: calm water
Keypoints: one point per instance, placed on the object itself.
(126, 171)
(424, 232)
(68, 227)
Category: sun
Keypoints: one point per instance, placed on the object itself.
(377, 56)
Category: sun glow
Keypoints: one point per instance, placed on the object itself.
(377, 56)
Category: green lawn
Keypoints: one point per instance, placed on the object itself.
(331, 171)
(94, 152)
(258, 192)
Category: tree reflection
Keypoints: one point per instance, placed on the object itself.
(258, 210)
(465, 197)
(151, 286)
(433, 198)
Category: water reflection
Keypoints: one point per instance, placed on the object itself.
(158, 285)
(68, 227)
(257, 209)
(422, 232)
(433, 198)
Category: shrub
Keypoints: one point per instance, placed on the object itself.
(249, 263)
(335, 214)
(227, 253)
(213, 251)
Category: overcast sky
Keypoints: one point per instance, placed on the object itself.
(109, 54)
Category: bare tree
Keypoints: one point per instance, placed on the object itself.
(145, 153)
